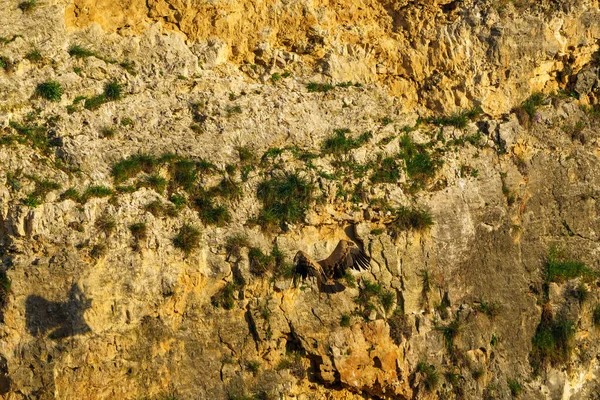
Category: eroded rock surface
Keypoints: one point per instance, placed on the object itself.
(100, 298)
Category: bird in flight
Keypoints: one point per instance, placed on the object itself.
(346, 255)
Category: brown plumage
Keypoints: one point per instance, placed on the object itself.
(346, 255)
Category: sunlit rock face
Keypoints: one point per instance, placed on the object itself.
(154, 193)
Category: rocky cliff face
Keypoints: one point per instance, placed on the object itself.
(161, 162)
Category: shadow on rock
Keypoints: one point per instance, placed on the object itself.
(62, 319)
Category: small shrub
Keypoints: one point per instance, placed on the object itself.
(494, 340)
(431, 377)
(126, 189)
(6, 64)
(80, 52)
(235, 244)
(345, 320)
(275, 77)
(293, 363)
(187, 239)
(112, 90)
(515, 387)
(32, 134)
(155, 207)
(419, 165)
(319, 87)
(42, 188)
(227, 189)
(552, 342)
(28, 6)
(32, 201)
(106, 223)
(177, 200)
(386, 121)
(349, 279)
(126, 121)
(387, 298)
(50, 90)
(129, 67)
(410, 219)
(371, 291)
(139, 230)
(231, 110)
(246, 154)
(425, 281)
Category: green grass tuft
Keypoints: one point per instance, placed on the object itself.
(133, 165)
(34, 56)
(419, 164)
(596, 316)
(552, 343)
(410, 219)
(106, 223)
(431, 377)
(532, 103)
(50, 90)
(459, 119)
(96, 191)
(339, 143)
(80, 52)
(112, 90)
(209, 212)
(187, 239)
(93, 103)
(156, 182)
(387, 171)
(28, 6)
(560, 268)
(314, 87)
(345, 320)
(139, 230)
(515, 387)
(235, 243)
(285, 199)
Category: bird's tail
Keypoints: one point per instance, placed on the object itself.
(332, 287)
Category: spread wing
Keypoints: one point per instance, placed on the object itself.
(305, 266)
(346, 255)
